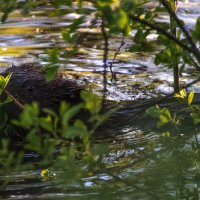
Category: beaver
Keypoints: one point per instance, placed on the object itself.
(28, 84)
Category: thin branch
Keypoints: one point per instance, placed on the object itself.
(105, 58)
(17, 103)
(185, 32)
(161, 30)
(168, 35)
(194, 62)
(158, 101)
(176, 71)
(105, 37)
(115, 55)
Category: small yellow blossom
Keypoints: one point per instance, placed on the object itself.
(141, 17)
(181, 95)
(44, 173)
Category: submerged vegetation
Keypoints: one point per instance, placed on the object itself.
(64, 140)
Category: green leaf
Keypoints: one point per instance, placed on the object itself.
(46, 123)
(164, 119)
(72, 132)
(123, 22)
(25, 9)
(51, 71)
(190, 97)
(53, 56)
(4, 82)
(166, 112)
(76, 23)
(154, 111)
(196, 32)
(70, 113)
(34, 142)
(7, 79)
(92, 102)
(81, 125)
(29, 116)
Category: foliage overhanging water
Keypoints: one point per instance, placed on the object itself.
(168, 169)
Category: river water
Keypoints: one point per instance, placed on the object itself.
(168, 172)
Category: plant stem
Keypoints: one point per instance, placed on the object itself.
(175, 67)
(16, 102)
(105, 57)
(114, 58)
(195, 51)
(169, 36)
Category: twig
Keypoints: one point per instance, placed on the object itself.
(168, 35)
(185, 32)
(115, 55)
(17, 103)
(105, 57)
(175, 66)
(153, 103)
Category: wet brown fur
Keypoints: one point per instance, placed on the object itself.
(28, 84)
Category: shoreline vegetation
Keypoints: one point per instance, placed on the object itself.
(150, 142)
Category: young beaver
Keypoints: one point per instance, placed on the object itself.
(28, 84)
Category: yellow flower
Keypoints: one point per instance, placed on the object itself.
(141, 17)
(181, 95)
(44, 173)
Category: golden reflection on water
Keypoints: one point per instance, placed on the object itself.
(17, 30)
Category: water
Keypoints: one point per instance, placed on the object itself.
(136, 168)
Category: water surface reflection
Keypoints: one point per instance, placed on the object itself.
(137, 168)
